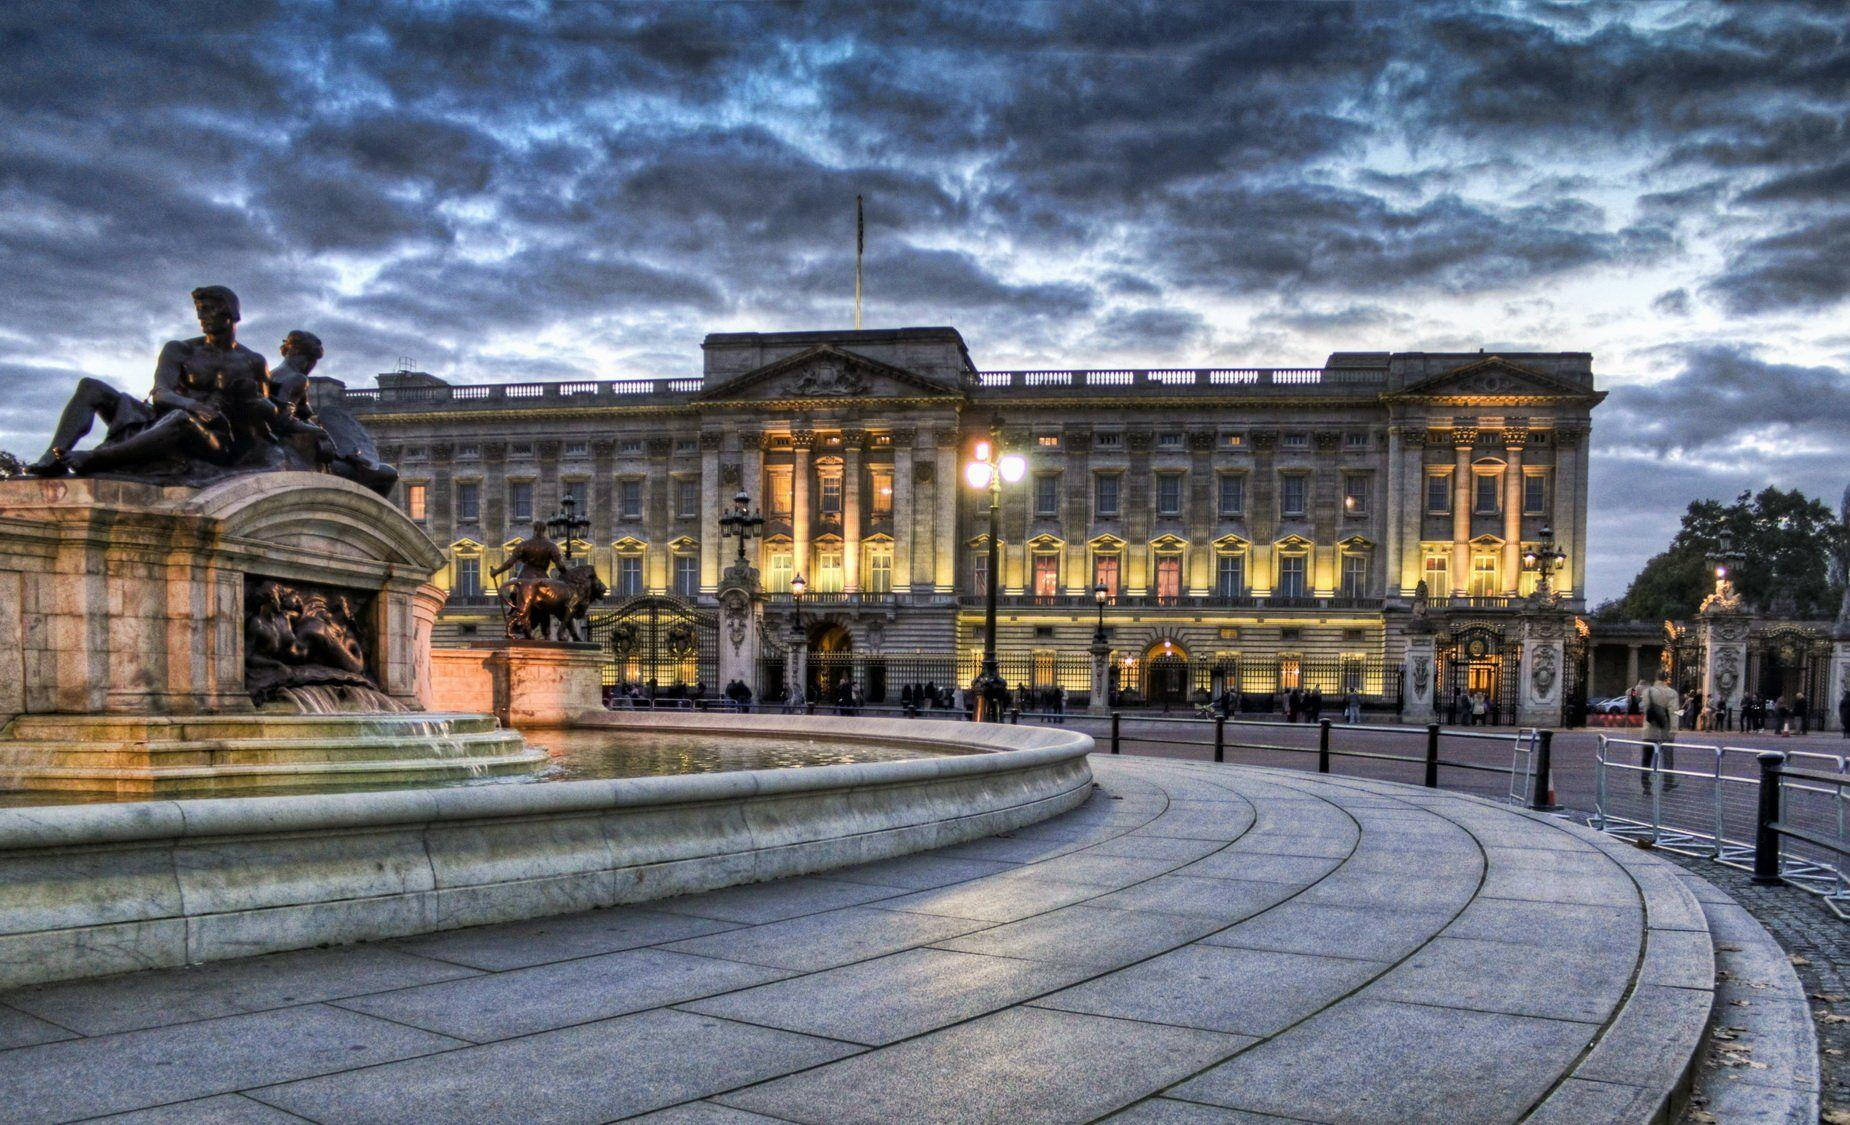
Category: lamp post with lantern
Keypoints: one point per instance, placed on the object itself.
(1101, 654)
(799, 640)
(990, 468)
(1544, 559)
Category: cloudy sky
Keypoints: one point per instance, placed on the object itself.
(531, 191)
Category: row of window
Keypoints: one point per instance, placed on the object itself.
(1486, 492)
(684, 494)
(625, 575)
(1290, 579)
(1230, 494)
(575, 447)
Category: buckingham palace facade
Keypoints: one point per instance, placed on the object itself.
(1248, 524)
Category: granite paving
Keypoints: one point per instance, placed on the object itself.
(1196, 942)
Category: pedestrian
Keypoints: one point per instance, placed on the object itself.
(1659, 702)
(1843, 713)
(1801, 714)
(1352, 708)
(1294, 699)
(1316, 705)
(1480, 709)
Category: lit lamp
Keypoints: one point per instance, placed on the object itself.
(1100, 595)
(990, 468)
(1544, 559)
(742, 522)
(567, 525)
(798, 642)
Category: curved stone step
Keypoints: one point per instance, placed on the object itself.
(189, 728)
(247, 751)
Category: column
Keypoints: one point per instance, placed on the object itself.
(1724, 669)
(1461, 513)
(1412, 509)
(799, 505)
(710, 501)
(751, 479)
(851, 511)
(1395, 503)
(944, 535)
(902, 511)
(1631, 666)
(1512, 519)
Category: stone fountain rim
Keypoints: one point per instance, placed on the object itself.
(1009, 748)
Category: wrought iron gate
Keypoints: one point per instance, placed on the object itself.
(1574, 676)
(1477, 660)
(659, 642)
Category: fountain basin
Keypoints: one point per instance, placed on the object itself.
(93, 889)
(173, 755)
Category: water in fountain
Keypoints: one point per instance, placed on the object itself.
(339, 699)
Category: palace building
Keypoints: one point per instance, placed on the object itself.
(1254, 529)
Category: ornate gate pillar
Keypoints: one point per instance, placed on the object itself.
(1541, 681)
(1100, 700)
(1419, 668)
(1839, 679)
(1724, 643)
(741, 611)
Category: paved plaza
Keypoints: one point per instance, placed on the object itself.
(1197, 942)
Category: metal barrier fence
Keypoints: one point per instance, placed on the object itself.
(1709, 800)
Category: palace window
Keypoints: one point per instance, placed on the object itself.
(882, 492)
(629, 575)
(577, 448)
(1232, 494)
(1295, 441)
(1355, 576)
(1047, 495)
(828, 569)
(687, 496)
(1169, 493)
(687, 445)
(979, 572)
(629, 499)
(1048, 441)
(1534, 494)
(777, 485)
(1292, 489)
(468, 576)
(580, 493)
(1105, 571)
(1439, 493)
(417, 499)
(1436, 571)
(1168, 578)
(1233, 441)
(1355, 494)
(1108, 439)
(777, 568)
(1291, 576)
(1105, 495)
(468, 451)
(1046, 574)
(520, 501)
(1170, 440)
(829, 502)
(687, 575)
(1484, 582)
(629, 445)
(1355, 439)
(468, 501)
(880, 569)
(1230, 575)
(1484, 491)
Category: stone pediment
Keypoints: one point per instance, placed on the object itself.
(1494, 377)
(827, 372)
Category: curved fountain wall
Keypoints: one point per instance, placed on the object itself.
(93, 889)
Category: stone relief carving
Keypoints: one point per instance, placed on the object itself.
(829, 378)
(1546, 671)
(1723, 599)
(1727, 670)
(1422, 673)
(736, 606)
(299, 635)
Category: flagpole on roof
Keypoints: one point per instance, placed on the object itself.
(860, 244)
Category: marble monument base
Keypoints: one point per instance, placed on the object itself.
(525, 684)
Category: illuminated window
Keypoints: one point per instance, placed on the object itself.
(882, 491)
(1484, 582)
(777, 568)
(1105, 567)
(416, 499)
(1168, 578)
(468, 501)
(1046, 575)
(880, 569)
(1437, 573)
(1048, 441)
(828, 569)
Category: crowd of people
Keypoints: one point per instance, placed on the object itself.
(1756, 714)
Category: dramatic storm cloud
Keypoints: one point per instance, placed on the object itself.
(530, 190)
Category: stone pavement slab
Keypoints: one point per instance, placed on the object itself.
(1225, 943)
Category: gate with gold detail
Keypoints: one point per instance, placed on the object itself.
(654, 639)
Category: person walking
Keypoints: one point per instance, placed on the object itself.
(1659, 702)
(1843, 713)
(1352, 708)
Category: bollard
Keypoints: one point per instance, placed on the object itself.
(1014, 716)
(1432, 755)
(1220, 738)
(1541, 792)
(1114, 732)
(1766, 837)
(1323, 746)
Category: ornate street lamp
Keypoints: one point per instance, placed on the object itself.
(1544, 559)
(1100, 595)
(799, 643)
(990, 468)
(567, 526)
(742, 522)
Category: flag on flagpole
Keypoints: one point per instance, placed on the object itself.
(860, 244)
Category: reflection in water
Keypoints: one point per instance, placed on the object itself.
(584, 755)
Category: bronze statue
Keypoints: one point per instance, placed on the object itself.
(295, 636)
(536, 556)
(214, 410)
(560, 608)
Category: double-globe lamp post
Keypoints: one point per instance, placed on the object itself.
(990, 468)
(799, 641)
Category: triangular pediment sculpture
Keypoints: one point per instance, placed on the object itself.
(1494, 376)
(827, 372)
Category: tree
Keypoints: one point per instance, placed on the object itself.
(11, 466)
(1793, 552)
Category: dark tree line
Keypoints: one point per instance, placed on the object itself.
(1794, 556)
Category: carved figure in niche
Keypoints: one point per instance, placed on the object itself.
(296, 636)
(184, 416)
(326, 631)
(1542, 678)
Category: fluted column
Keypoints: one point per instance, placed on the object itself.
(709, 512)
(944, 535)
(1395, 503)
(851, 511)
(1512, 518)
(902, 511)
(1461, 512)
(799, 504)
